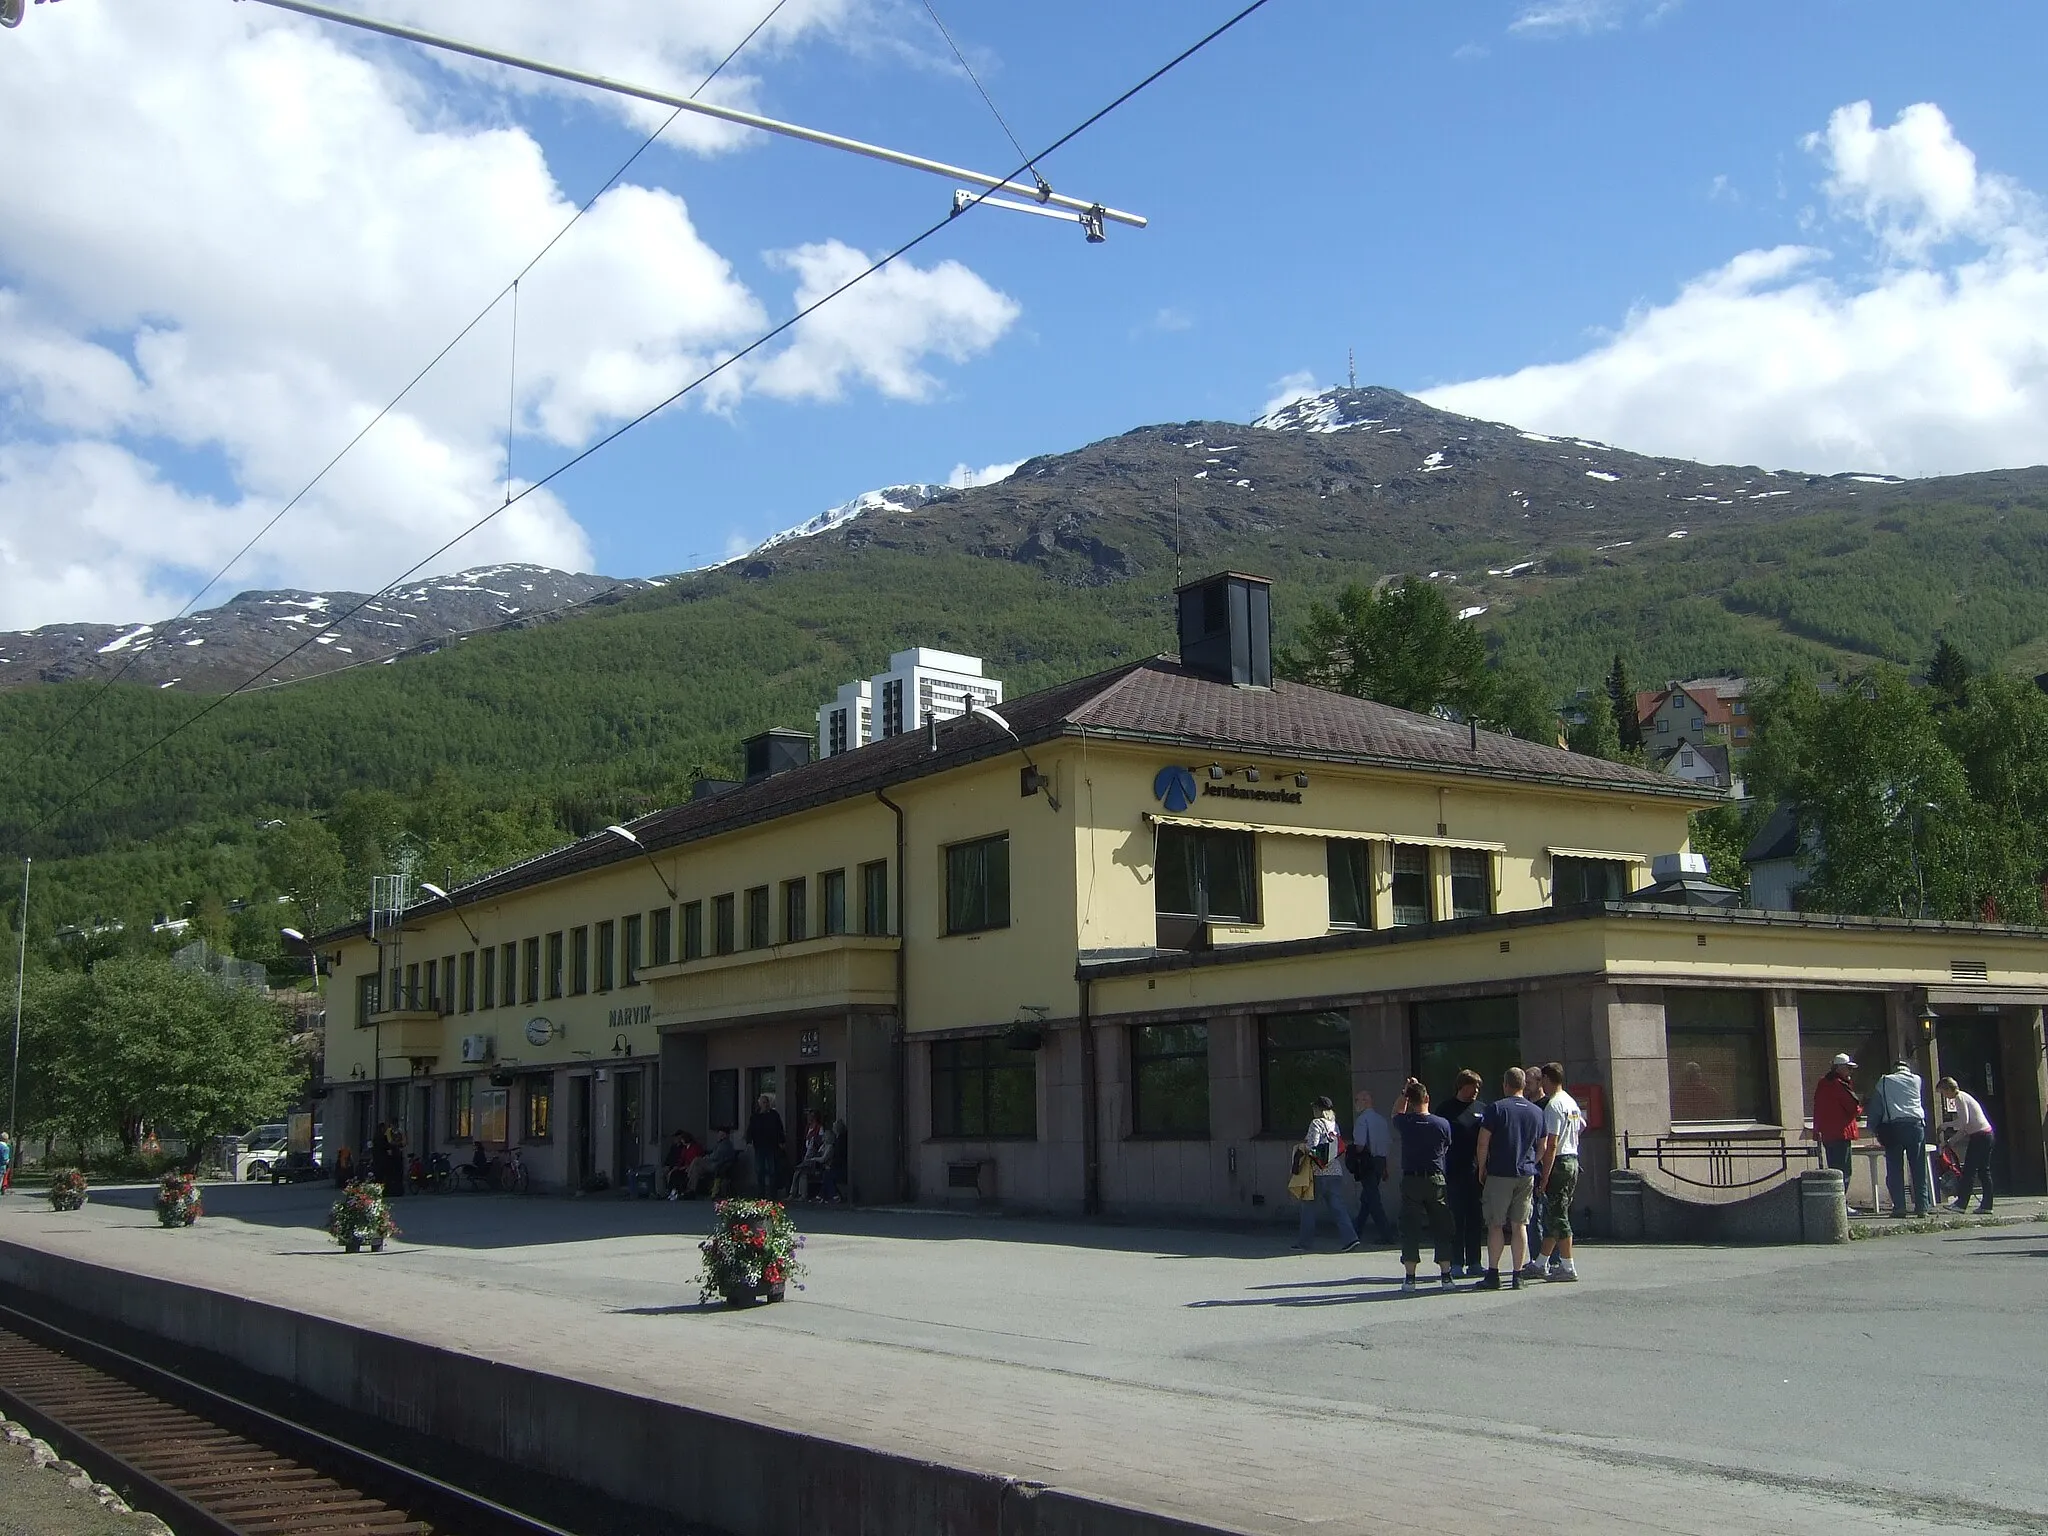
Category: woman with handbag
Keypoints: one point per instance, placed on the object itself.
(1319, 1154)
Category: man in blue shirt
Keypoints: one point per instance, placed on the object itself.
(1511, 1149)
(1425, 1139)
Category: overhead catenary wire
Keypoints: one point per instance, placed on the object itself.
(1044, 187)
(620, 431)
(431, 364)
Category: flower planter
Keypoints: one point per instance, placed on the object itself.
(360, 1219)
(67, 1190)
(177, 1201)
(750, 1255)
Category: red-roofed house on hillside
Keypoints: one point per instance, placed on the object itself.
(1706, 710)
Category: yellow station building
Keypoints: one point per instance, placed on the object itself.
(1099, 951)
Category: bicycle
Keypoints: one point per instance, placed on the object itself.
(511, 1173)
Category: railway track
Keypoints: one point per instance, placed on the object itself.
(209, 1464)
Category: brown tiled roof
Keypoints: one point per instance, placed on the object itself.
(1152, 701)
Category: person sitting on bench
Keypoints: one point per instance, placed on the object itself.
(683, 1150)
(476, 1173)
(714, 1167)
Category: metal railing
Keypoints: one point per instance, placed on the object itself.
(1766, 1158)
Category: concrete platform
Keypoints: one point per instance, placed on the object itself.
(1215, 1377)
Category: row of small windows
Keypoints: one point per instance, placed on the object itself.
(1211, 874)
(1716, 1042)
(603, 957)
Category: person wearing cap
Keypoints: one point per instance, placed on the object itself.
(1899, 1121)
(1969, 1133)
(1836, 1109)
(1324, 1144)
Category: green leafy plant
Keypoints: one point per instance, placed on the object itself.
(753, 1247)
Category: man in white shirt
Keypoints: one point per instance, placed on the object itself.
(1370, 1136)
(1899, 1121)
(1968, 1133)
(1563, 1120)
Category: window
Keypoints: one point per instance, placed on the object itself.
(1170, 1080)
(554, 964)
(832, 901)
(1204, 872)
(447, 983)
(1663, 726)
(892, 707)
(394, 995)
(1471, 882)
(1350, 864)
(978, 885)
(663, 922)
(874, 898)
(366, 997)
(509, 980)
(1412, 886)
(630, 944)
(1738, 708)
(1833, 1023)
(1482, 1033)
(724, 1099)
(490, 1115)
(1301, 1057)
(836, 733)
(1714, 1044)
(607, 956)
(1699, 722)
(983, 1088)
(796, 911)
(1741, 731)
(1573, 881)
(721, 924)
(411, 997)
(462, 1109)
(579, 961)
(529, 955)
(693, 930)
(539, 1110)
(469, 982)
(487, 978)
(758, 936)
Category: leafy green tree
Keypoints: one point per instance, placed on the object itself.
(1719, 836)
(1621, 697)
(303, 860)
(1523, 703)
(1948, 673)
(1401, 645)
(1597, 735)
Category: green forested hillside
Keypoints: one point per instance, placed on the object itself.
(505, 743)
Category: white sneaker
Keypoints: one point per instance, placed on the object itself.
(1564, 1272)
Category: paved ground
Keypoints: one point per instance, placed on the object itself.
(1893, 1386)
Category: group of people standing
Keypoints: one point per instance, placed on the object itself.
(693, 1170)
(1500, 1174)
(1896, 1115)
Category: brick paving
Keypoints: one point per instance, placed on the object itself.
(1217, 1376)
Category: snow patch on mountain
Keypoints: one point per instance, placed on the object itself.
(890, 498)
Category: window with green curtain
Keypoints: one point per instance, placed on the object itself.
(723, 937)
(1302, 1056)
(693, 930)
(978, 885)
(758, 934)
(874, 898)
(1715, 1046)
(1206, 872)
(662, 922)
(1350, 867)
(832, 901)
(579, 961)
(607, 956)
(554, 964)
(630, 936)
(1170, 1079)
(796, 911)
(487, 978)
(1456, 1033)
(983, 1088)
(529, 954)
(469, 982)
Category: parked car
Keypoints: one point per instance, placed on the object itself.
(257, 1157)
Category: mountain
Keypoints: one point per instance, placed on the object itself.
(1567, 551)
(217, 648)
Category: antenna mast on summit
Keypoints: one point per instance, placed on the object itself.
(1351, 365)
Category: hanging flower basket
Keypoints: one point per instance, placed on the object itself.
(360, 1219)
(67, 1189)
(177, 1200)
(751, 1254)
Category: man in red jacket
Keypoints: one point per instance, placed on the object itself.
(1836, 1110)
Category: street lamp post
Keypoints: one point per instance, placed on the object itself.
(20, 978)
(623, 835)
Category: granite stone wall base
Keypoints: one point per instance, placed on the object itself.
(727, 1474)
(1809, 1208)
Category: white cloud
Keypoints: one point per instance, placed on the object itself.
(1934, 360)
(965, 476)
(1555, 17)
(880, 331)
(237, 236)
(1295, 386)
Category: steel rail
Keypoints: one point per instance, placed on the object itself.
(213, 1465)
(1074, 205)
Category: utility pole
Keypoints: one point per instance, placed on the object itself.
(20, 977)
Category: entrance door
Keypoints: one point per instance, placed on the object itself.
(579, 1131)
(1969, 1049)
(814, 1085)
(631, 1149)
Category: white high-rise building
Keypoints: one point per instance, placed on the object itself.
(920, 684)
(845, 723)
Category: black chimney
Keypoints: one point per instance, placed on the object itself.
(1226, 628)
(776, 751)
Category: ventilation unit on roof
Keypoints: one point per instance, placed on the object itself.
(774, 751)
(1226, 628)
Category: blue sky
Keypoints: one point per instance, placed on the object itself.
(1461, 191)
